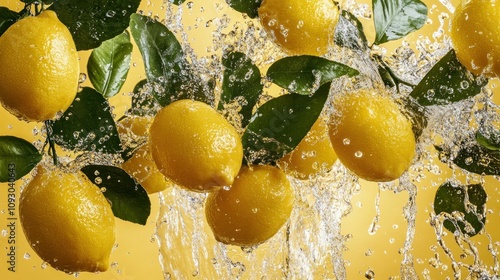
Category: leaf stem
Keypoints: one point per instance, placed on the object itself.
(52, 147)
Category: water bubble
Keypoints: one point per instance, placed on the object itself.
(358, 154)
(98, 180)
(82, 78)
(4, 232)
(346, 141)
(369, 274)
(27, 256)
(110, 13)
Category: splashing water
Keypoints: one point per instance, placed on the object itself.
(318, 242)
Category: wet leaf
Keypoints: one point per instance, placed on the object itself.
(349, 32)
(109, 64)
(129, 201)
(474, 158)
(447, 82)
(304, 74)
(87, 125)
(92, 22)
(395, 19)
(7, 18)
(167, 69)
(452, 200)
(489, 138)
(279, 125)
(249, 7)
(176, 2)
(241, 84)
(17, 158)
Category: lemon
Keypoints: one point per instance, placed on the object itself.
(195, 146)
(253, 209)
(313, 155)
(300, 27)
(142, 167)
(371, 136)
(475, 34)
(39, 68)
(67, 221)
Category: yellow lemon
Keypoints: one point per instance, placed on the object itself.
(39, 68)
(134, 126)
(253, 209)
(313, 155)
(371, 136)
(475, 34)
(300, 27)
(195, 146)
(142, 167)
(67, 221)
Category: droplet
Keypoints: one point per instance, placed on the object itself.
(110, 13)
(369, 274)
(346, 141)
(27, 256)
(98, 180)
(358, 154)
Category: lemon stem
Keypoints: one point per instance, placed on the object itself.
(52, 147)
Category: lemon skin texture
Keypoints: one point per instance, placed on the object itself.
(475, 34)
(253, 209)
(142, 167)
(300, 27)
(371, 136)
(194, 146)
(313, 156)
(39, 68)
(67, 221)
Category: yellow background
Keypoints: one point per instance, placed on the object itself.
(136, 256)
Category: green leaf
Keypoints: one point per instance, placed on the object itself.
(241, 84)
(249, 7)
(279, 125)
(87, 125)
(176, 2)
(474, 158)
(447, 82)
(7, 18)
(17, 158)
(143, 101)
(166, 66)
(108, 65)
(92, 22)
(395, 19)
(349, 32)
(304, 74)
(129, 201)
(489, 138)
(452, 200)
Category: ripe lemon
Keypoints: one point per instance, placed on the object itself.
(300, 27)
(475, 34)
(313, 155)
(195, 146)
(371, 136)
(67, 221)
(39, 68)
(253, 209)
(141, 165)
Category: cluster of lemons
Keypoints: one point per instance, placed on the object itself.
(191, 145)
